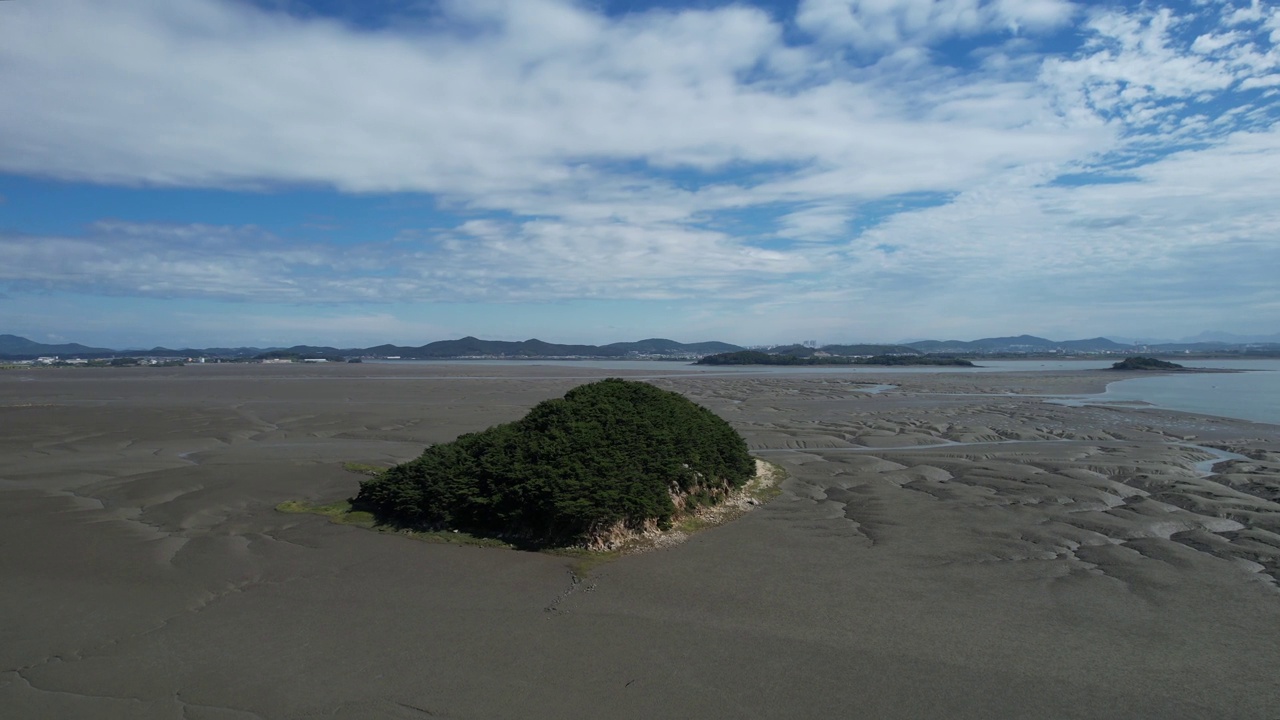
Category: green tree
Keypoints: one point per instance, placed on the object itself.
(607, 453)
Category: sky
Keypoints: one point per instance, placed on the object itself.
(354, 172)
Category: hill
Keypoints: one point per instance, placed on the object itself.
(662, 346)
(1017, 345)
(474, 347)
(15, 346)
(1145, 363)
(19, 348)
(609, 458)
(858, 350)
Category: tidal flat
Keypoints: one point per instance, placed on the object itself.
(951, 546)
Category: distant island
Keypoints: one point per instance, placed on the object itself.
(609, 460)
(1145, 363)
(753, 357)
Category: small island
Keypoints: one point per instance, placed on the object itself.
(755, 357)
(1138, 362)
(608, 461)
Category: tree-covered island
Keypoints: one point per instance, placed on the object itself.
(1138, 362)
(755, 357)
(610, 458)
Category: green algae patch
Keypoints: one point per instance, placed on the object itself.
(364, 468)
(338, 512)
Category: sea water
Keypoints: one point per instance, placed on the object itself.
(1252, 395)
(662, 368)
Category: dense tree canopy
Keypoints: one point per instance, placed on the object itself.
(607, 453)
(1138, 362)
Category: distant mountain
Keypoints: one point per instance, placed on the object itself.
(1206, 337)
(533, 348)
(866, 349)
(662, 346)
(1018, 344)
(1098, 344)
(474, 347)
(862, 350)
(318, 351)
(1232, 338)
(20, 347)
(15, 347)
(215, 352)
(1021, 344)
(160, 351)
(800, 351)
(1208, 347)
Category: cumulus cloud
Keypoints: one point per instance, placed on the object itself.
(160, 261)
(1151, 70)
(665, 155)
(216, 93)
(876, 25)
(500, 98)
(1188, 236)
(479, 261)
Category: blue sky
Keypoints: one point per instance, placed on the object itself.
(227, 172)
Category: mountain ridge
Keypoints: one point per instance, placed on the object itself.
(14, 347)
(20, 348)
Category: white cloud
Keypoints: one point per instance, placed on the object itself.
(1186, 240)
(481, 261)
(1146, 67)
(820, 222)
(588, 156)
(209, 93)
(1190, 238)
(874, 25)
(161, 261)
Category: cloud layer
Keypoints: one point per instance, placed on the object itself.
(993, 160)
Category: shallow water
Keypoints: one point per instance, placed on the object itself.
(1205, 467)
(662, 367)
(1251, 395)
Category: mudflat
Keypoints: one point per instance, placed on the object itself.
(949, 547)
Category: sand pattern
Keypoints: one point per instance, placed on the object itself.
(945, 545)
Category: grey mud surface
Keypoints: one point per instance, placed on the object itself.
(940, 550)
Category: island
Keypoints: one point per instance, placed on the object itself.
(755, 357)
(609, 460)
(1138, 362)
